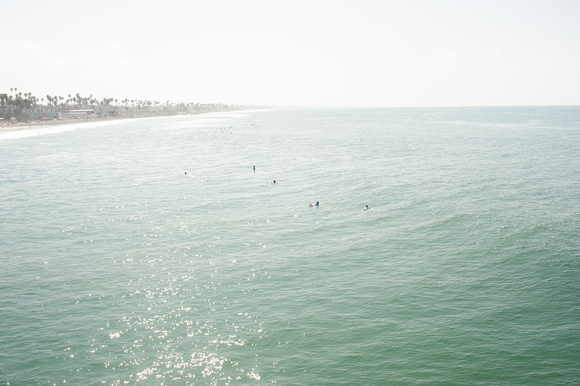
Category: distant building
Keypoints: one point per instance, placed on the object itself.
(80, 114)
(44, 115)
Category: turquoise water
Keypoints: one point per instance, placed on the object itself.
(150, 251)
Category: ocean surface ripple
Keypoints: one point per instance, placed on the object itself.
(152, 251)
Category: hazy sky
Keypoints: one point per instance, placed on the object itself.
(294, 52)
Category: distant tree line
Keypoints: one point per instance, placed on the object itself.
(25, 107)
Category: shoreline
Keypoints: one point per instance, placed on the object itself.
(23, 126)
(34, 128)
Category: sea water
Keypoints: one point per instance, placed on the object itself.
(159, 251)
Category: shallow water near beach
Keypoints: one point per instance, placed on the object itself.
(151, 251)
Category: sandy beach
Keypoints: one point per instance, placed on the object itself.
(31, 129)
(34, 128)
(7, 127)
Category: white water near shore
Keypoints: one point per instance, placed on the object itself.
(24, 131)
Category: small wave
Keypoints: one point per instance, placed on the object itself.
(33, 131)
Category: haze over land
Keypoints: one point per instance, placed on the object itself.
(306, 53)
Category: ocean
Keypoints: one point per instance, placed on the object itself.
(160, 251)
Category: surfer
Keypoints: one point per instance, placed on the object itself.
(366, 208)
(317, 203)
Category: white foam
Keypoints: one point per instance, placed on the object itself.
(32, 131)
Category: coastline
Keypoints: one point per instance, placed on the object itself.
(34, 128)
(23, 126)
(48, 124)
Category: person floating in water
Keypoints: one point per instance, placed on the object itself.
(254, 169)
(274, 182)
(366, 208)
(317, 203)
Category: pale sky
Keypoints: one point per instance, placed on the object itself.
(340, 53)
